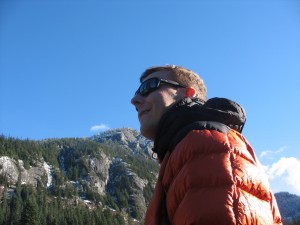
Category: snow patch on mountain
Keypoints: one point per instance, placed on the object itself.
(49, 174)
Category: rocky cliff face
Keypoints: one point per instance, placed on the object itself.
(14, 170)
(131, 140)
(113, 168)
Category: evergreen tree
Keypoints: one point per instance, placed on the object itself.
(15, 209)
(4, 207)
(16, 204)
(30, 215)
(294, 222)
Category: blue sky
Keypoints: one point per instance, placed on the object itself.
(70, 68)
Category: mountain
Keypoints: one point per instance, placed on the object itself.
(104, 179)
(131, 140)
(289, 206)
(113, 170)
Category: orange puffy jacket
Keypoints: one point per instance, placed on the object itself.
(212, 178)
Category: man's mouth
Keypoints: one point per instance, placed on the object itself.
(143, 112)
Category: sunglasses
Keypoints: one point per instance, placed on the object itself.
(152, 84)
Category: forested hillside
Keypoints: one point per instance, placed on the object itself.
(75, 180)
(289, 206)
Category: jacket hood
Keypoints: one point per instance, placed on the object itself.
(190, 110)
(225, 111)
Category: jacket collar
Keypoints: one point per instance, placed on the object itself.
(184, 112)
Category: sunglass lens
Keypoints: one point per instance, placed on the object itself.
(147, 87)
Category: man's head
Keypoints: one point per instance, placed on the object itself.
(161, 88)
(181, 75)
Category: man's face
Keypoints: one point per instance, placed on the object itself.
(151, 107)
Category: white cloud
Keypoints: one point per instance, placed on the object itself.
(100, 127)
(285, 172)
(269, 153)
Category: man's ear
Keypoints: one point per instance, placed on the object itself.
(190, 92)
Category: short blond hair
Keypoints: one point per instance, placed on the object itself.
(183, 76)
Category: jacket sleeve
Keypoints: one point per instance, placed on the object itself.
(157, 212)
(202, 183)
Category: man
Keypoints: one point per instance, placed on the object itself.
(209, 173)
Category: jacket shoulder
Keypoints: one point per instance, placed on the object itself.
(199, 125)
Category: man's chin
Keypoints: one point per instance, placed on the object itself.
(146, 132)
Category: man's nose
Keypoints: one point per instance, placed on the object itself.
(137, 100)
